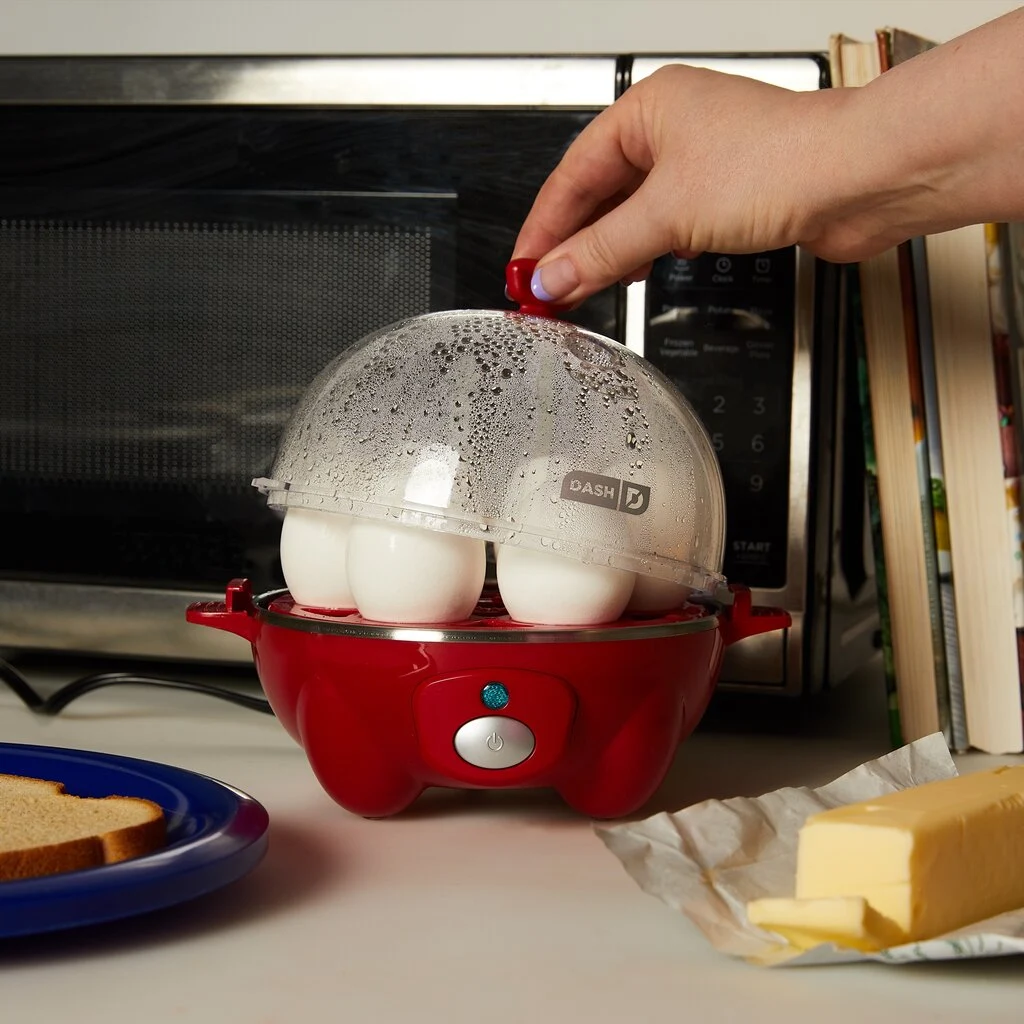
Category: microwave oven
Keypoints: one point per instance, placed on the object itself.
(185, 242)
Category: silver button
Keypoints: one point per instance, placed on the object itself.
(494, 741)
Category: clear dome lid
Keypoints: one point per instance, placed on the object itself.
(517, 429)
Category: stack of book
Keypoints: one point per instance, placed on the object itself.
(936, 324)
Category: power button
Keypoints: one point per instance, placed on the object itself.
(494, 741)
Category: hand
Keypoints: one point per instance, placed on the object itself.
(690, 160)
(687, 160)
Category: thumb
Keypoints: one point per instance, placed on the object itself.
(606, 251)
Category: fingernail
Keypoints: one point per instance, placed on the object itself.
(554, 280)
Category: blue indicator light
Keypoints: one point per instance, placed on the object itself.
(494, 696)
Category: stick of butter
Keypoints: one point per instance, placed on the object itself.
(845, 920)
(928, 859)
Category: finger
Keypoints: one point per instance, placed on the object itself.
(630, 236)
(640, 274)
(604, 208)
(562, 207)
(600, 211)
(603, 161)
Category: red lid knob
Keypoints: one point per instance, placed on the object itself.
(518, 274)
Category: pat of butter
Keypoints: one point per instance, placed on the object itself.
(927, 859)
(844, 920)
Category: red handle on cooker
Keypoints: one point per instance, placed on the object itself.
(742, 619)
(235, 614)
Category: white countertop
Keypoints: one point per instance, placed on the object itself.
(485, 908)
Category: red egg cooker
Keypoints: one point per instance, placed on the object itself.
(383, 712)
(558, 448)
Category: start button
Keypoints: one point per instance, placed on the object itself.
(494, 741)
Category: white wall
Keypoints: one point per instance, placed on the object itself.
(461, 26)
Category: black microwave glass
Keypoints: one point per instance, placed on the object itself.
(173, 278)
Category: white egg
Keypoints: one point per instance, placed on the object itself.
(405, 574)
(547, 588)
(314, 549)
(653, 596)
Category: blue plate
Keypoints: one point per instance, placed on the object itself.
(215, 835)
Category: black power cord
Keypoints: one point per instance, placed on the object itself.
(60, 699)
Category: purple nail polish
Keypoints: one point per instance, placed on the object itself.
(537, 287)
(554, 280)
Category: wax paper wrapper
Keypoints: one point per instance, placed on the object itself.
(710, 859)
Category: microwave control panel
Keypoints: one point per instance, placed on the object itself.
(721, 328)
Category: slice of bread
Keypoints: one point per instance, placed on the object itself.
(45, 831)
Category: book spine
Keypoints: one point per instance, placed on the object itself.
(937, 494)
(1011, 252)
(941, 610)
(924, 447)
(1007, 430)
(972, 450)
(855, 333)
